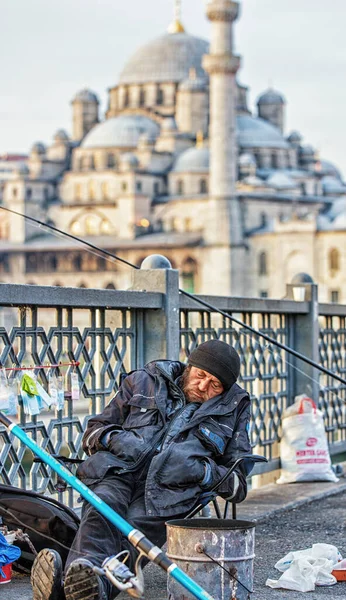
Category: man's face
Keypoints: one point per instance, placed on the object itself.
(199, 385)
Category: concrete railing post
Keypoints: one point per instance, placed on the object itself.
(305, 337)
(161, 328)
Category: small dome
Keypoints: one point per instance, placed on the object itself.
(302, 278)
(193, 160)
(327, 168)
(307, 150)
(281, 181)
(294, 138)
(86, 96)
(120, 132)
(129, 160)
(332, 185)
(61, 136)
(247, 160)
(156, 261)
(169, 124)
(254, 132)
(271, 97)
(38, 148)
(167, 58)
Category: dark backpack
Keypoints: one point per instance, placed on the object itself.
(37, 516)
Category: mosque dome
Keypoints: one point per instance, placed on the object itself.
(124, 131)
(38, 148)
(193, 160)
(247, 160)
(61, 136)
(85, 96)
(294, 137)
(255, 132)
(333, 185)
(168, 58)
(271, 97)
(327, 168)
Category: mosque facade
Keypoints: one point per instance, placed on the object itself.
(180, 166)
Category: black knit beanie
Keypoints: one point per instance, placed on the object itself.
(218, 359)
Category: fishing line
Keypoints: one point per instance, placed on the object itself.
(187, 294)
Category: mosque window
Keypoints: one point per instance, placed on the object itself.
(263, 294)
(111, 161)
(14, 192)
(105, 190)
(92, 225)
(139, 186)
(28, 193)
(124, 186)
(76, 228)
(188, 275)
(180, 187)
(126, 97)
(160, 96)
(203, 186)
(335, 296)
(105, 227)
(334, 261)
(46, 193)
(31, 263)
(264, 219)
(262, 264)
(110, 286)
(188, 224)
(78, 191)
(156, 188)
(92, 190)
(142, 97)
(4, 263)
(82, 286)
(101, 263)
(77, 262)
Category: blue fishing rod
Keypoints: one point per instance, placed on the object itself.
(135, 537)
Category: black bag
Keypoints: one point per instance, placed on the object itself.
(38, 516)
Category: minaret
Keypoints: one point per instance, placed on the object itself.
(225, 231)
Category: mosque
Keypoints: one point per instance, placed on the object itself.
(179, 165)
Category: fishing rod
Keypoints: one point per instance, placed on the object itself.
(193, 297)
(145, 547)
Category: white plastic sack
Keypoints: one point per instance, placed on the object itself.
(304, 569)
(304, 449)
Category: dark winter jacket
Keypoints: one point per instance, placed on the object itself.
(138, 416)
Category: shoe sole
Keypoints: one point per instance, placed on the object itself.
(46, 575)
(81, 583)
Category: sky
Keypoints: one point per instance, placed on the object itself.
(50, 49)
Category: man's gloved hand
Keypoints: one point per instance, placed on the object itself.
(190, 472)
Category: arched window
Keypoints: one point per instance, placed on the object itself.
(264, 219)
(160, 96)
(111, 161)
(110, 286)
(28, 193)
(188, 275)
(180, 187)
(77, 262)
(126, 97)
(203, 186)
(105, 190)
(76, 228)
(334, 261)
(142, 97)
(106, 227)
(14, 192)
(262, 264)
(92, 225)
(78, 191)
(92, 190)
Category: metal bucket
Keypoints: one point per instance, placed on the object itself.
(195, 544)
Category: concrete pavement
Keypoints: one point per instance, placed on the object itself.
(277, 510)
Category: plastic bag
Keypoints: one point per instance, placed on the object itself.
(304, 569)
(8, 553)
(304, 449)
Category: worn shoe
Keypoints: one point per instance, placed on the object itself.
(46, 576)
(81, 583)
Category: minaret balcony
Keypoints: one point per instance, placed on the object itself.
(221, 63)
(222, 10)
